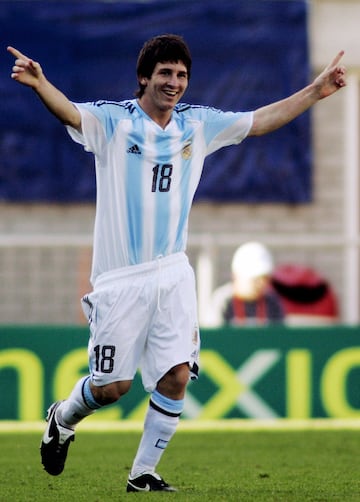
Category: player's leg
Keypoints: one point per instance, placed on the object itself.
(171, 349)
(86, 398)
(162, 417)
(113, 360)
(63, 416)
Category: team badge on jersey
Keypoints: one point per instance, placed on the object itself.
(187, 151)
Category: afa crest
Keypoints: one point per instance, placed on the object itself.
(187, 151)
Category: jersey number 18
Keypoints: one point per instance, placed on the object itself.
(161, 180)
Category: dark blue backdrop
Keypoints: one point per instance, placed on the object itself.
(246, 53)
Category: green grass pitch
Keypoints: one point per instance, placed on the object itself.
(278, 465)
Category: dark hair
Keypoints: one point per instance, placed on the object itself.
(161, 49)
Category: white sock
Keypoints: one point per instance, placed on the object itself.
(159, 428)
(80, 404)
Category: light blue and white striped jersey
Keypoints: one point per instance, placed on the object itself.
(147, 176)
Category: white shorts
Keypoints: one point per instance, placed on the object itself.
(143, 317)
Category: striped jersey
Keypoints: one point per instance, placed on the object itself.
(147, 176)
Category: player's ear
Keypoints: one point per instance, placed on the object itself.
(142, 82)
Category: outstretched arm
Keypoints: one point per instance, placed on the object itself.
(271, 117)
(29, 73)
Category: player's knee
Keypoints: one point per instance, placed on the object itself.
(110, 393)
(173, 384)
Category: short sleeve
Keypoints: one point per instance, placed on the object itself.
(93, 125)
(226, 128)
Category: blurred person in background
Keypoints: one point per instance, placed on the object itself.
(307, 297)
(149, 154)
(249, 299)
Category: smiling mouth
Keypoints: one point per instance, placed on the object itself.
(169, 93)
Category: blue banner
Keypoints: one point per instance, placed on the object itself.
(246, 54)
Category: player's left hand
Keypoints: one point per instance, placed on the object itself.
(332, 78)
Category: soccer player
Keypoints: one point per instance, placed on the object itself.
(149, 154)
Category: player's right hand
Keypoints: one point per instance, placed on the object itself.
(25, 70)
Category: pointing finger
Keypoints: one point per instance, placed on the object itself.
(16, 53)
(336, 59)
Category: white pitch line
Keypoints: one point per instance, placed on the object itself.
(197, 425)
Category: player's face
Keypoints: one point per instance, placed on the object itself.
(166, 86)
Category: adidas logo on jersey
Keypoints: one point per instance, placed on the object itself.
(134, 149)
